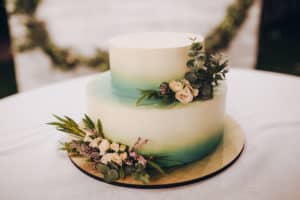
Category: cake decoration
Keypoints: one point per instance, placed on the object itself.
(204, 72)
(140, 134)
(114, 160)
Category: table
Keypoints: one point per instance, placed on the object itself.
(265, 104)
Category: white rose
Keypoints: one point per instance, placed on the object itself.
(104, 146)
(124, 156)
(184, 96)
(115, 147)
(123, 147)
(106, 158)
(95, 142)
(175, 86)
(187, 84)
(117, 158)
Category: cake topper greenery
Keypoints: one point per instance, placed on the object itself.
(114, 160)
(205, 70)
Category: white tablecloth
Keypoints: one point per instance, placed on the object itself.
(266, 105)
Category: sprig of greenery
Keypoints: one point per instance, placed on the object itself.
(111, 171)
(220, 37)
(67, 125)
(205, 72)
(147, 94)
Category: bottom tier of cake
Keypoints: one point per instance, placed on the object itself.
(177, 134)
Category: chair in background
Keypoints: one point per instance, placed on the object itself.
(8, 84)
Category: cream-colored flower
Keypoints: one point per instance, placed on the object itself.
(185, 82)
(106, 158)
(124, 156)
(117, 159)
(87, 138)
(104, 146)
(95, 142)
(115, 147)
(122, 148)
(184, 96)
(195, 92)
(175, 86)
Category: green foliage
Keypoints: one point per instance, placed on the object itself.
(65, 58)
(164, 98)
(38, 36)
(111, 171)
(147, 94)
(26, 6)
(155, 166)
(67, 125)
(109, 174)
(88, 122)
(221, 36)
(205, 72)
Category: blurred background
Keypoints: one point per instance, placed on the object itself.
(46, 41)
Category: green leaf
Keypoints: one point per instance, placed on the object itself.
(155, 166)
(191, 77)
(102, 168)
(111, 175)
(61, 119)
(192, 53)
(121, 173)
(218, 77)
(71, 121)
(99, 128)
(196, 46)
(207, 92)
(190, 63)
(141, 99)
(88, 122)
(142, 176)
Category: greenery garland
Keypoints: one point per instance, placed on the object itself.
(221, 36)
(66, 58)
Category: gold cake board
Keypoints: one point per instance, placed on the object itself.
(224, 155)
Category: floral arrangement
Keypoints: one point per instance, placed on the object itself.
(114, 160)
(204, 71)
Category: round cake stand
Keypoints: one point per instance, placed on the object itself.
(227, 152)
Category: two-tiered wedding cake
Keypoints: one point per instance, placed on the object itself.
(178, 133)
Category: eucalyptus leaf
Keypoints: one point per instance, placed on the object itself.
(102, 168)
(190, 63)
(111, 175)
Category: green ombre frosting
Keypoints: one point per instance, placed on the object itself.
(190, 153)
(179, 134)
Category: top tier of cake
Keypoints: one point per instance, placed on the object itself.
(144, 60)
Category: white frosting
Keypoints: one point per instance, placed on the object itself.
(167, 128)
(152, 57)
